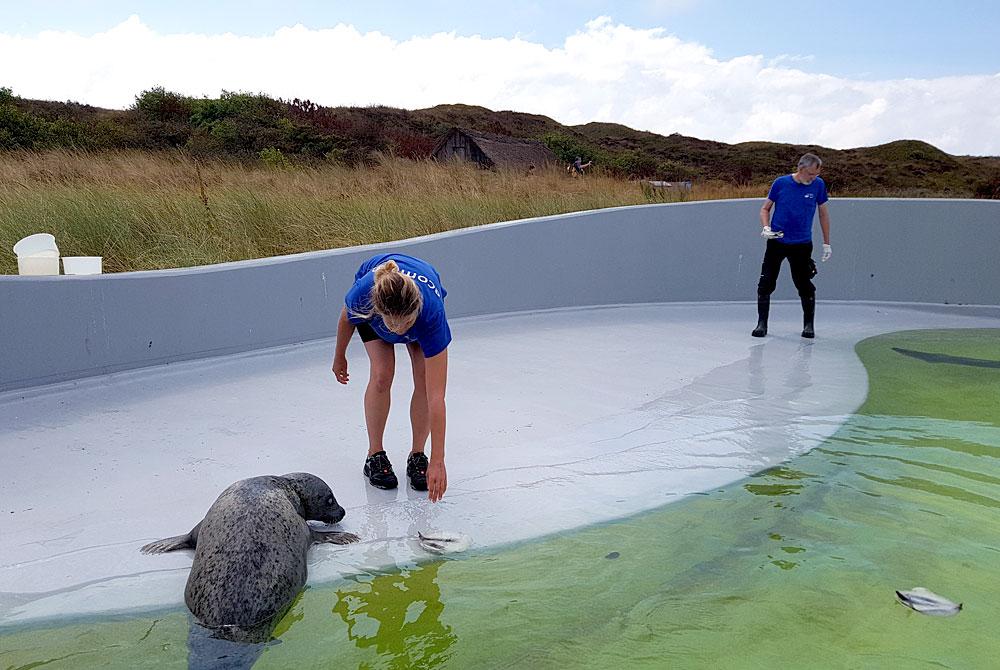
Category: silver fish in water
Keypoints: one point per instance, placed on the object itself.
(443, 542)
(928, 602)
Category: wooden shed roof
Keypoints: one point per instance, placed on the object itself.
(503, 150)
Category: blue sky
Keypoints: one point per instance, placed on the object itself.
(852, 38)
(839, 74)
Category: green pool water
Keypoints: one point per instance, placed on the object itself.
(794, 567)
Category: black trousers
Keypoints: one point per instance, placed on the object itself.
(799, 261)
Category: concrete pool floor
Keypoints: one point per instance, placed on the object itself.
(557, 420)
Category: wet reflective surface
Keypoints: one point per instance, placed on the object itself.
(556, 420)
(794, 565)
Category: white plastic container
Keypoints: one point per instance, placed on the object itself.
(82, 265)
(37, 244)
(38, 265)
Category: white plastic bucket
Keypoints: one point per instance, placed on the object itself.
(38, 265)
(82, 265)
(39, 243)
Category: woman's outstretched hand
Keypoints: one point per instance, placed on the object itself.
(437, 480)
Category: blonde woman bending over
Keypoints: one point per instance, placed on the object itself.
(398, 299)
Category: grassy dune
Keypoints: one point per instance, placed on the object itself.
(144, 211)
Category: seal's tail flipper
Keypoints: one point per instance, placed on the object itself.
(334, 536)
(168, 544)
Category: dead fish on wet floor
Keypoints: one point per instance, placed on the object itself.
(443, 541)
(928, 602)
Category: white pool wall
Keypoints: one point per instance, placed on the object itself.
(887, 250)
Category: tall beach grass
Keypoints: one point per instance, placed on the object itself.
(144, 211)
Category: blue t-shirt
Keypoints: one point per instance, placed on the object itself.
(794, 207)
(430, 330)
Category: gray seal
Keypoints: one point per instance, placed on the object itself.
(250, 552)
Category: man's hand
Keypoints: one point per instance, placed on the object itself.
(437, 480)
(827, 252)
(340, 369)
(769, 234)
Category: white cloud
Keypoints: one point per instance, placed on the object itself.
(643, 78)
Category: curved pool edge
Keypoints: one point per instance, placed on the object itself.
(710, 396)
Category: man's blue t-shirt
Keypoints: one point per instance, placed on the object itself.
(431, 329)
(794, 207)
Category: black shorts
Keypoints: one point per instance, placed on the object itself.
(367, 333)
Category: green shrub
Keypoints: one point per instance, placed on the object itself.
(159, 104)
(274, 159)
(567, 148)
(988, 188)
(674, 171)
(243, 123)
(23, 130)
(635, 164)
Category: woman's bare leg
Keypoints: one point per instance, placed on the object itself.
(382, 360)
(419, 415)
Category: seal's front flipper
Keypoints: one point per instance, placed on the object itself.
(168, 544)
(333, 536)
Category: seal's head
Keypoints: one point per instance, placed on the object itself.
(317, 499)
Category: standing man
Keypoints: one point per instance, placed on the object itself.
(795, 199)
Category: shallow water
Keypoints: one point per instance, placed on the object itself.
(793, 567)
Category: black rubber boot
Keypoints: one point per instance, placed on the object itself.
(763, 307)
(808, 315)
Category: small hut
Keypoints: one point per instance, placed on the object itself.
(492, 151)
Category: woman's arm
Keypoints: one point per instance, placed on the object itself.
(436, 373)
(345, 330)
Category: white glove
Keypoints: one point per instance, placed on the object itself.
(827, 252)
(769, 234)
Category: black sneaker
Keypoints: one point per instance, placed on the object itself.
(416, 470)
(379, 472)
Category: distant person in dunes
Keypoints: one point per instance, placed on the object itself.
(795, 199)
(398, 299)
(578, 166)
